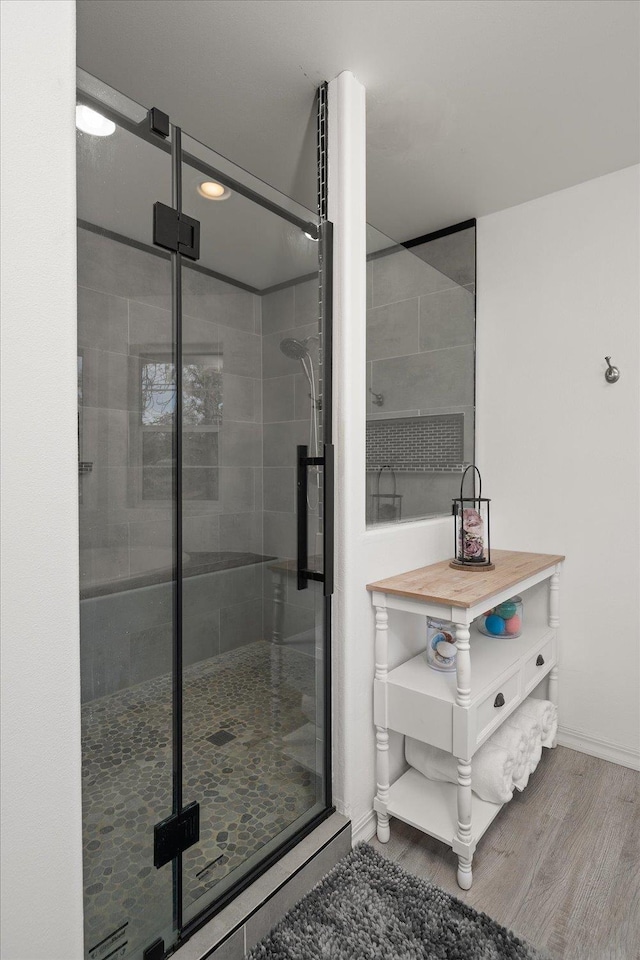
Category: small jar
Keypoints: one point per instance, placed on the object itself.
(441, 645)
(503, 622)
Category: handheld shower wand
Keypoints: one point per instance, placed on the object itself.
(298, 350)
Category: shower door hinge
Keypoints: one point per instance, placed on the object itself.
(155, 950)
(176, 834)
(176, 231)
(158, 122)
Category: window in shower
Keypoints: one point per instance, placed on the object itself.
(420, 372)
(202, 406)
(204, 638)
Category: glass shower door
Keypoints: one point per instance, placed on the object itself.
(203, 421)
(126, 434)
(253, 643)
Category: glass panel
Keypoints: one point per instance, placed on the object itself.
(253, 643)
(126, 409)
(420, 374)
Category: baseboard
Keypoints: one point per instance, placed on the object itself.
(364, 828)
(598, 747)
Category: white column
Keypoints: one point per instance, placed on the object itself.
(41, 800)
(382, 734)
(353, 773)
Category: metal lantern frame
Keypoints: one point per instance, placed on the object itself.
(482, 506)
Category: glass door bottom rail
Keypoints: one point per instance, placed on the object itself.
(243, 709)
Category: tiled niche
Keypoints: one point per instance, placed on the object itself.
(421, 444)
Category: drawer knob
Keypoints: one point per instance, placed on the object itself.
(499, 701)
(540, 660)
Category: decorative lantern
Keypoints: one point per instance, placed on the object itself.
(472, 544)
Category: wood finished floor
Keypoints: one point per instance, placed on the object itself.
(560, 865)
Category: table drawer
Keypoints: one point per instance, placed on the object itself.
(538, 664)
(496, 705)
(416, 715)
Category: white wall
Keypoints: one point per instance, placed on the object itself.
(41, 806)
(361, 555)
(558, 288)
(558, 447)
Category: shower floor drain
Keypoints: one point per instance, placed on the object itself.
(220, 738)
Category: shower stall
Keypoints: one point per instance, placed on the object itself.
(206, 498)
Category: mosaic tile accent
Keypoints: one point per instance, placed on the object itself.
(418, 443)
(248, 787)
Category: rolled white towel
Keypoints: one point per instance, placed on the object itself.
(534, 756)
(547, 715)
(516, 742)
(521, 773)
(531, 729)
(491, 766)
(549, 738)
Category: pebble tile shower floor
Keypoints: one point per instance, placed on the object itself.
(237, 708)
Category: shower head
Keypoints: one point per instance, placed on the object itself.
(294, 349)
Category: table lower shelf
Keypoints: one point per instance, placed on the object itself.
(432, 806)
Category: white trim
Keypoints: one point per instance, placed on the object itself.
(347, 211)
(598, 747)
(364, 828)
(41, 751)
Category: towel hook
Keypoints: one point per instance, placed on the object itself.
(611, 374)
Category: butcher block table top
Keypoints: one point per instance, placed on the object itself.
(440, 583)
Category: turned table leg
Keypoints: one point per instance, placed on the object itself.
(463, 699)
(554, 621)
(382, 734)
(465, 876)
(553, 695)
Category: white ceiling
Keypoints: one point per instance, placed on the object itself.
(473, 105)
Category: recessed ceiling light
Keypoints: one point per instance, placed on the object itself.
(90, 121)
(211, 190)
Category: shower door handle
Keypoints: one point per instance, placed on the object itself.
(327, 519)
(304, 461)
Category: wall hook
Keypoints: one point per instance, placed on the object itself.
(611, 374)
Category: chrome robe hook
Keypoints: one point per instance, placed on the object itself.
(611, 374)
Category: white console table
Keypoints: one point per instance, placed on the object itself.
(458, 711)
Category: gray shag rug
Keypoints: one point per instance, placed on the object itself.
(368, 908)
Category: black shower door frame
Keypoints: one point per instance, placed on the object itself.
(169, 140)
(324, 233)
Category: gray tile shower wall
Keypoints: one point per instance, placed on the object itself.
(420, 362)
(125, 335)
(291, 312)
(420, 336)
